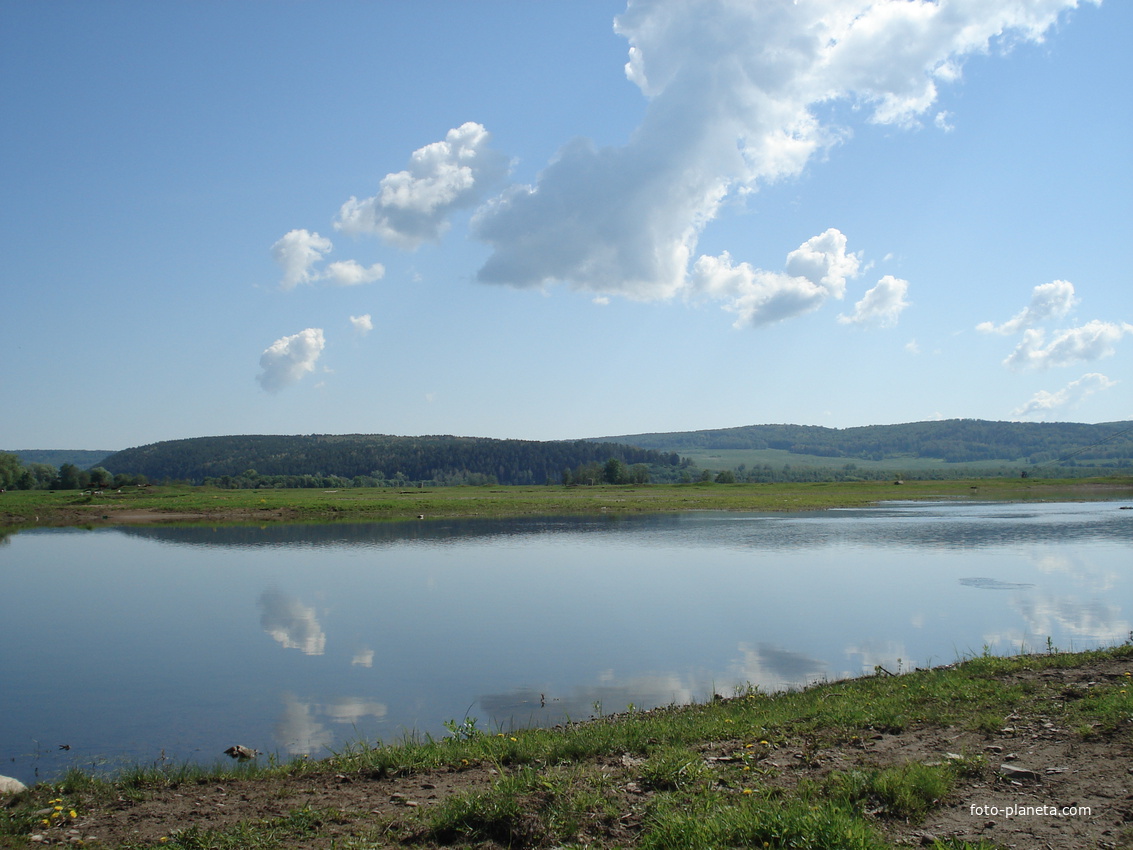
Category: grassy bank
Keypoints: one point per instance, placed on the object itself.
(870, 763)
(184, 503)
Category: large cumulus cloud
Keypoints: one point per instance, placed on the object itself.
(735, 93)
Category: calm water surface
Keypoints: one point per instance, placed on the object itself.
(128, 644)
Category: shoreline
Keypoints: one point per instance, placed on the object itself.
(982, 753)
(174, 504)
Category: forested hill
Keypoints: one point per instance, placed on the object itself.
(951, 440)
(369, 459)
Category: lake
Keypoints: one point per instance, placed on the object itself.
(143, 644)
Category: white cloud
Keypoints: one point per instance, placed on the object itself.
(815, 271)
(362, 324)
(1048, 301)
(413, 206)
(352, 273)
(1044, 402)
(913, 347)
(297, 251)
(733, 90)
(881, 305)
(289, 358)
(1091, 341)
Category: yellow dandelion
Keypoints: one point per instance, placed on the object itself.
(765, 743)
(747, 791)
(72, 813)
(513, 739)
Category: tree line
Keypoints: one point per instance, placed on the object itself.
(360, 460)
(15, 475)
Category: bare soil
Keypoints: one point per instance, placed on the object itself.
(1050, 766)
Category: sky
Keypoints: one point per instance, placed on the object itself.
(560, 219)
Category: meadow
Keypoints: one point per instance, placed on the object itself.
(183, 503)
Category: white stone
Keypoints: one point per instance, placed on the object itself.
(8, 785)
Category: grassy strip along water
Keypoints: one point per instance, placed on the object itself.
(186, 503)
(866, 764)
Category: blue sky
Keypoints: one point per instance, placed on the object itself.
(560, 219)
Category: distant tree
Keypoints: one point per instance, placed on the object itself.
(70, 478)
(614, 471)
(100, 477)
(42, 475)
(726, 476)
(10, 470)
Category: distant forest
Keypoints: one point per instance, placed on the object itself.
(377, 460)
(1109, 444)
(369, 460)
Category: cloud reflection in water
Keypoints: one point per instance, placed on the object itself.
(291, 623)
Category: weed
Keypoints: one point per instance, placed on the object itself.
(911, 789)
(498, 814)
(671, 768)
(750, 820)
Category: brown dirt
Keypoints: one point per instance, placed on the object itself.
(1066, 769)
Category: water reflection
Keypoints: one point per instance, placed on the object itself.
(772, 668)
(603, 695)
(158, 643)
(291, 623)
(363, 657)
(298, 731)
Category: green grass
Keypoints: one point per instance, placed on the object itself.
(20, 509)
(561, 786)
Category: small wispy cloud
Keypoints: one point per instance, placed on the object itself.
(362, 324)
(814, 272)
(1048, 301)
(297, 252)
(1044, 402)
(413, 206)
(287, 360)
(352, 273)
(880, 306)
(1091, 341)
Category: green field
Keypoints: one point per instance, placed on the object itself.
(718, 459)
(182, 503)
